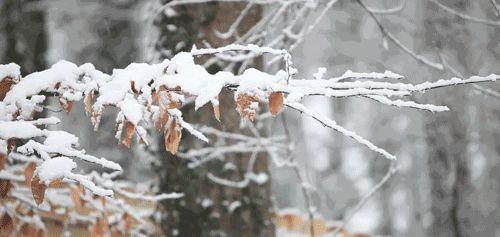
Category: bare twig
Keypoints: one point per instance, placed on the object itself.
(391, 37)
(390, 172)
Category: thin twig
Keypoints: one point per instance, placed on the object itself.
(387, 34)
(390, 172)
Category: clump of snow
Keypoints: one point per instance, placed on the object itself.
(19, 129)
(132, 110)
(55, 168)
(62, 72)
(61, 139)
(10, 70)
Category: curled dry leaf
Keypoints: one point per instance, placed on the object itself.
(11, 144)
(129, 133)
(3, 160)
(5, 85)
(173, 137)
(5, 186)
(275, 103)
(100, 227)
(57, 183)
(37, 189)
(247, 105)
(67, 105)
(162, 120)
(6, 225)
(78, 202)
(129, 222)
(89, 98)
(216, 109)
(28, 173)
(132, 87)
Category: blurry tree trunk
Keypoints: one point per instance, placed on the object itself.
(22, 35)
(447, 133)
(204, 210)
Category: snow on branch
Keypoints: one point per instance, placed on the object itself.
(151, 95)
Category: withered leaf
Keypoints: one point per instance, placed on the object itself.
(6, 224)
(173, 137)
(28, 230)
(5, 186)
(247, 105)
(129, 133)
(99, 229)
(78, 202)
(28, 173)
(89, 97)
(5, 84)
(3, 160)
(162, 120)
(275, 103)
(37, 189)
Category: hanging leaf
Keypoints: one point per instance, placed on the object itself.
(132, 87)
(129, 133)
(5, 85)
(173, 137)
(6, 225)
(99, 229)
(37, 189)
(162, 120)
(28, 173)
(215, 106)
(275, 103)
(3, 160)
(89, 98)
(78, 202)
(67, 105)
(247, 105)
(129, 222)
(28, 229)
(57, 183)
(5, 186)
(216, 112)
(11, 143)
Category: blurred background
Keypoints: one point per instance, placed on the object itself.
(448, 176)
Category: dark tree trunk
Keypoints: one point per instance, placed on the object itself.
(447, 133)
(22, 35)
(191, 216)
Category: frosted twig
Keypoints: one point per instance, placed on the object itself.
(333, 125)
(466, 17)
(398, 43)
(390, 172)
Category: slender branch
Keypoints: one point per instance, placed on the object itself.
(389, 35)
(390, 172)
(466, 17)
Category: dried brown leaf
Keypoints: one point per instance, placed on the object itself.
(78, 202)
(3, 160)
(99, 229)
(216, 109)
(247, 105)
(173, 137)
(129, 133)
(28, 230)
(11, 144)
(6, 225)
(5, 85)
(132, 87)
(162, 120)
(5, 186)
(89, 98)
(28, 173)
(275, 103)
(37, 189)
